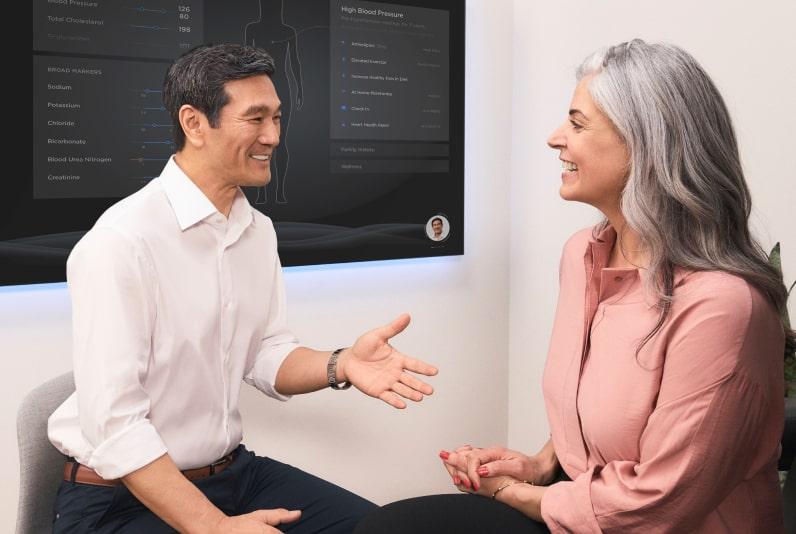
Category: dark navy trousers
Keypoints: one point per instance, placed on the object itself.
(249, 483)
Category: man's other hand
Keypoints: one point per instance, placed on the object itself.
(259, 522)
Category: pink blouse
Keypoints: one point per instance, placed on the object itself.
(684, 436)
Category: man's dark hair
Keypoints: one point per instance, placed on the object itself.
(435, 219)
(198, 76)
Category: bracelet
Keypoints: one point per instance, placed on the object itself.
(509, 483)
(331, 372)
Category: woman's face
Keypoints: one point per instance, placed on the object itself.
(594, 157)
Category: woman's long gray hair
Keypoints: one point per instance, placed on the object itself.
(686, 195)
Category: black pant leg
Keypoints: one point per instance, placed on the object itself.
(448, 514)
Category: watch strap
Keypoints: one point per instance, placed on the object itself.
(331, 371)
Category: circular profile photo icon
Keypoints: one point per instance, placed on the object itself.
(438, 228)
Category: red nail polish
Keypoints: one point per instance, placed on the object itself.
(444, 455)
(483, 471)
(475, 486)
(456, 480)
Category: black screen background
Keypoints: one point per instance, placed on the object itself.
(36, 235)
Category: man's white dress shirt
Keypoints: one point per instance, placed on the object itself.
(173, 306)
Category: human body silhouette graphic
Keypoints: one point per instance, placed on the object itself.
(271, 32)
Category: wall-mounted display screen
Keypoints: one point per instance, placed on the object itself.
(370, 164)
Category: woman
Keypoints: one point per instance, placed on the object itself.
(664, 380)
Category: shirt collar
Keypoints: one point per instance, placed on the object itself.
(604, 239)
(190, 204)
(606, 235)
(241, 211)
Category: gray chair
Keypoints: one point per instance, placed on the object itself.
(40, 464)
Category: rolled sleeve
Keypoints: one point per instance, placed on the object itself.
(267, 364)
(566, 506)
(134, 447)
(113, 312)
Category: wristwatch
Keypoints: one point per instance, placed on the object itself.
(331, 371)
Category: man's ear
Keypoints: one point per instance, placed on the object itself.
(193, 123)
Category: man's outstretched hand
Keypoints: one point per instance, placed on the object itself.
(377, 369)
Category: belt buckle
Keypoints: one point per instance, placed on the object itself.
(219, 462)
(223, 460)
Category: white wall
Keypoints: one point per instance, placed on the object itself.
(748, 49)
(520, 62)
(460, 320)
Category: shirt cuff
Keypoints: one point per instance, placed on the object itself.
(126, 451)
(263, 375)
(566, 506)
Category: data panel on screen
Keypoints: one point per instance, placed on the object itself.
(372, 111)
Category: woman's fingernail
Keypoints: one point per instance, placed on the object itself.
(475, 486)
(483, 471)
(466, 483)
(444, 455)
(456, 480)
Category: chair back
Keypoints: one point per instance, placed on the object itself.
(40, 464)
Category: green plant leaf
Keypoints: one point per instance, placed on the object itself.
(775, 258)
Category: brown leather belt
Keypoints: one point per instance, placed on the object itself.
(76, 472)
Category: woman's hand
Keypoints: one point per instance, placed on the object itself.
(505, 468)
(468, 465)
(456, 464)
(497, 461)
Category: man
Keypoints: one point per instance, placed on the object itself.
(177, 297)
(436, 227)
